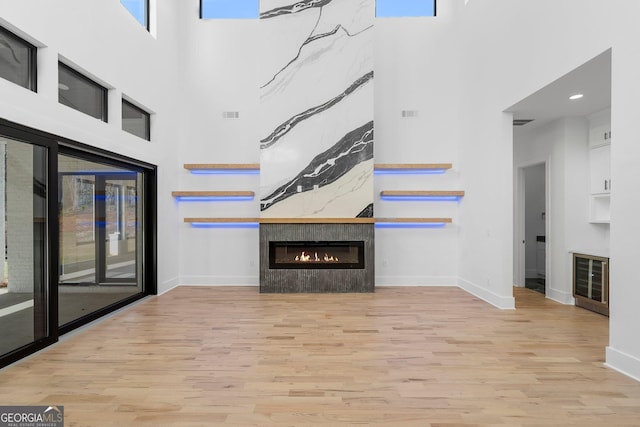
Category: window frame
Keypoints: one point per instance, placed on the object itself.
(147, 127)
(105, 92)
(147, 14)
(32, 84)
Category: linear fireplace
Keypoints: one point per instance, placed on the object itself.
(307, 254)
(318, 257)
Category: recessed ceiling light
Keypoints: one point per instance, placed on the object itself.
(576, 96)
(63, 86)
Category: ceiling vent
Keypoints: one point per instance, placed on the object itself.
(521, 122)
(409, 113)
(231, 114)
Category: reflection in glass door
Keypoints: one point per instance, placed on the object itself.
(121, 231)
(77, 231)
(100, 236)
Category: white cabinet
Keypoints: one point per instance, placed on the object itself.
(600, 128)
(600, 169)
(599, 135)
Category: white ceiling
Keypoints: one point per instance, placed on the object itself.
(593, 79)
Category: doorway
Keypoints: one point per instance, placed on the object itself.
(535, 235)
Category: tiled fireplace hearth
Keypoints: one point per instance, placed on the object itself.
(317, 257)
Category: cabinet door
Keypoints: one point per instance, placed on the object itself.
(600, 169)
(599, 135)
(582, 277)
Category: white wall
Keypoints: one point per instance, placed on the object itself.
(218, 64)
(413, 71)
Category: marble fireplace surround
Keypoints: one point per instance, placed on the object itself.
(317, 280)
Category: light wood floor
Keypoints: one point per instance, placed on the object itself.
(399, 357)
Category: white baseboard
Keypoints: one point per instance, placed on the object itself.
(504, 303)
(167, 285)
(622, 362)
(416, 281)
(560, 296)
(219, 280)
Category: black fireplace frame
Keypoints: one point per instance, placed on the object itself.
(359, 244)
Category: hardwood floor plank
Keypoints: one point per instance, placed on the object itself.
(403, 356)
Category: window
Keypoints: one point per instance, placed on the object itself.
(229, 9)
(136, 121)
(139, 9)
(404, 8)
(17, 60)
(81, 93)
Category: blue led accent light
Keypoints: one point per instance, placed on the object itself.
(409, 171)
(225, 224)
(213, 198)
(225, 171)
(422, 198)
(410, 224)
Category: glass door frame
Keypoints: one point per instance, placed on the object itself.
(100, 180)
(59, 145)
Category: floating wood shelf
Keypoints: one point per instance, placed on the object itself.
(414, 220)
(412, 166)
(222, 166)
(402, 193)
(213, 194)
(316, 220)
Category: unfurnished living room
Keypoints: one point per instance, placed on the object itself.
(322, 212)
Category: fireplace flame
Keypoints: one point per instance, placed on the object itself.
(305, 257)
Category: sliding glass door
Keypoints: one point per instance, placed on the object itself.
(101, 227)
(77, 236)
(24, 298)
